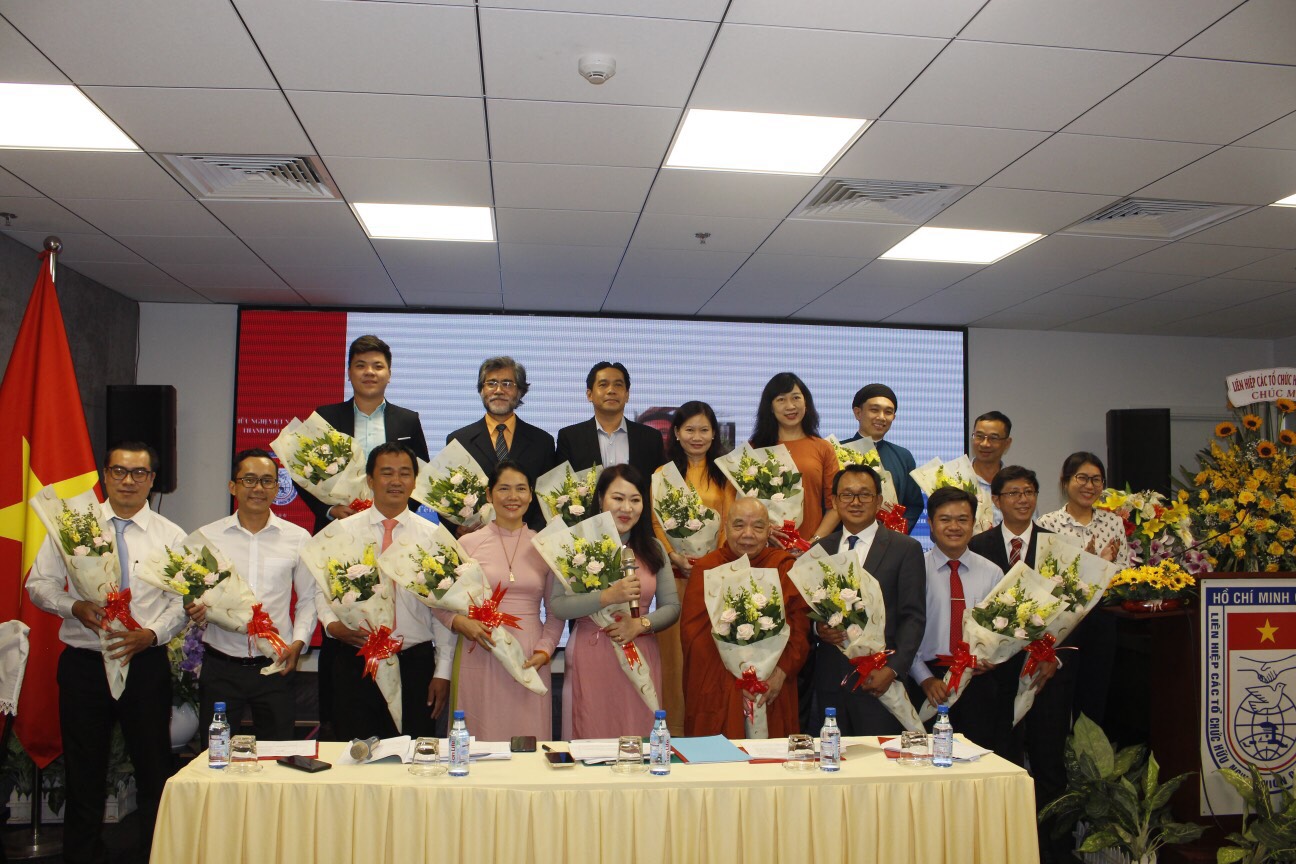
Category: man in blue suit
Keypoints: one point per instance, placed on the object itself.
(875, 409)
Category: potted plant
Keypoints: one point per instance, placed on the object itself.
(1271, 834)
(1118, 795)
(1159, 587)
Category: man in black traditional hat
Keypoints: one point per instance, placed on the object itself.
(875, 409)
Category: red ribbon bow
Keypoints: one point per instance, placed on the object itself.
(958, 662)
(893, 516)
(866, 665)
(1042, 650)
(117, 608)
(793, 539)
(489, 615)
(378, 647)
(358, 505)
(262, 627)
(751, 683)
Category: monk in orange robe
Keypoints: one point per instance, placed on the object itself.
(712, 700)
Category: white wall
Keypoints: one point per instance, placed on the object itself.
(1057, 387)
(192, 346)
(1285, 352)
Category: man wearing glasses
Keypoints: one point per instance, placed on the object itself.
(264, 550)
(991, 438)
(896, 561)
(87, 710)
(501, 383)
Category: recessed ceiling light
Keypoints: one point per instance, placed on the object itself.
(1289, 201)
(761, 143)
(426, 222)
(959, 245)
(55, 117)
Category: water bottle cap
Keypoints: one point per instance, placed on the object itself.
(942, 709)
(659, 714)
(459, 715)
(220, 706)
(830, 712)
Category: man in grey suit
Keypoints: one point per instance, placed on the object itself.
(896, 561)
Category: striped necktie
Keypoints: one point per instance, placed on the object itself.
(501, 446)
(1014, 554)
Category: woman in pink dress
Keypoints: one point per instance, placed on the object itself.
(496, 706)
(604, 703)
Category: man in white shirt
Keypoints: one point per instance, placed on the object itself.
(359, 710)
(991, 438)
(265, 551)
(896, 561)
(957, 580)
(608, 438)
(87, 710)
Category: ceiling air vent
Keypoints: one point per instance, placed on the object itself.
(252, 178)
(887, 201)
(1151, 219)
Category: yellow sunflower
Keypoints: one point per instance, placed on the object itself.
(1286, 406)
(1225, 430)
(1252, 421)
(1287, 437)
(1266, 449)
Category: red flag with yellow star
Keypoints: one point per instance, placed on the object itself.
(43, 441)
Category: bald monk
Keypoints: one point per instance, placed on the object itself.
(713, 703)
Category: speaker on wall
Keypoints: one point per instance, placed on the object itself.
(1138, 449)
(146, 412)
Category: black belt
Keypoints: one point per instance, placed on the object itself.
(258, 661)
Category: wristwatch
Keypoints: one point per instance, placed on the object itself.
(646, 624)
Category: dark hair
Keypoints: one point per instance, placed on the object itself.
(395, 447)
(1009, 473)
(765, 432)
(133, 447)
(366, 345)
(684, 413)
(1076, 460)
(508, 465)
(995, 417)
(947, 495)
(491, 364)
(857, 468)
(606, 364)
(641, 540)
(250, 453)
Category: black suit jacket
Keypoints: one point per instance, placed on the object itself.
(533, 448)
(990, 544)
(579, 445)
(401, 425)
(896, 562)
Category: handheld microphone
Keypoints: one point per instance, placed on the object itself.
(628, 566)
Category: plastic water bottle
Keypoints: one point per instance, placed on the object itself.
(659, 746)
(942, 739)
(459, 746)
(218, 739)
(830, 742)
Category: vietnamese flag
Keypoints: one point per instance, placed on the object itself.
(1259, 631)
(43, 441)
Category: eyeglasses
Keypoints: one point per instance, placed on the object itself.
(118, 472)
(1019, 493)
(265, 481)
(983, 438)
(1088, 480)
(494, 384)
(862, 497)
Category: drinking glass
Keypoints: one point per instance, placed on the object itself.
(801, 753)
(629, 755)
(915, 749)
(243, 755)
(427, 758)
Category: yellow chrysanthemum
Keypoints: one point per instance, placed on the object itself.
(1246, 496)
(1275, 549)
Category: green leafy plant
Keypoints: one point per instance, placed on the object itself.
(1118, 795)
(1270, 833)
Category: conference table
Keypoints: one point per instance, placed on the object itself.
(522, 810)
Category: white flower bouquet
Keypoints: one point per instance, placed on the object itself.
(566, 495)
(454, 485)
(767, 474)
(959, 474)
(325, 462)
(692, 527)
(749, 625)
(441, 575)
(862, 451)
(844, 595)
(586, 558)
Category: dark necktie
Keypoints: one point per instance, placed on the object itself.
(851, 541)
(1014, 554)
(957, 605)
(501, 447)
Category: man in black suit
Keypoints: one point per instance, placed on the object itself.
(896, 561)
(608, 438)
(501, 434)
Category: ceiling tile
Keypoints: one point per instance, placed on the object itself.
(367, 47)
(1205, 101)
(1014, 86)
(1232, 175)
(206, 277)
(284, 218)
(1149, 26)
(1079, 252)
(12, 187)
(681, 263)
(853, 302)
(1008, 282)
(727, 193)
(1219, 293)
(159, 218)
(571, 187)
(991, 209)
(938, 310)
(440, 260)
(1278, 135)
(434, 299)
(353, 251)
(822, 73)
(1142, 316)
(73, 174)
(81, 248)
(657, 295)
(1120, 283)
(565, 227)
(940, 154)
(534, 55)
(728, 234)
(839, 239)
(911, 17)
(412, 181)
(214, 252)
(759, 300)
(19, 61)
(254, 294)
(1070, 306)
(1091, 163)
(1259, 31)
(1280, 267)
(801, 277)
(580, 133)
(412, 127)
(1194, 259)
(436, 287)
(535, 292)
(1269, 227)
(1010, 319)
(192, 120)
(693, 10)
(598, 261)
(342, 286)
(141, 282)
(42, 214)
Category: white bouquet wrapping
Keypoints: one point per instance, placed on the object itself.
(440, 574)
(749, 624)
(692, 527)
(200, 574)
(959, 474)
(843, 594)
(454, 485)
(90, 555)
(566, 495)
(767, 474)
(325, 462)
(346, 568)
(586, 558)
(863, 451)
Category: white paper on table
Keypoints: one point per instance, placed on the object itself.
(452, 458)
(397, 749)
(283, 749)
(964, 750)
(594, 751)
(478, 751)
(766, 748)
(780, 510)
(700, 542)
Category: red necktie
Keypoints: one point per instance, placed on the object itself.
(957, 605)
(389, 525)
(1014, 554)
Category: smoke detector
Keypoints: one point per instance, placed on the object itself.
(596, 68)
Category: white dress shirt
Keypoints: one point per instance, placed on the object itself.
(862, 545)
(1104, 527)
(614, 446)
(415, 622)
(269, 561)
(155, 609)
(1008, 537)
(979, 575)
